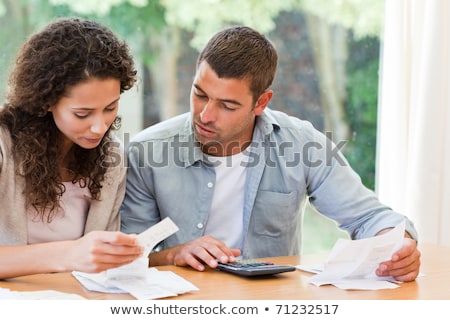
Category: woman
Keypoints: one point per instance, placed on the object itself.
(61, 175)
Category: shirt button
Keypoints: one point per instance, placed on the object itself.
(200, 225)
(210, 184)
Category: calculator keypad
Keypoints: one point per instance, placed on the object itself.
(253, 267)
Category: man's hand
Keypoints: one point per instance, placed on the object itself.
(404, 264)
(196, 253)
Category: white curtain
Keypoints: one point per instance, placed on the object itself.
(413, 165)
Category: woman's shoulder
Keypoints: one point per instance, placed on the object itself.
(5, 142)
(6, 157)
(114, 159)
(5, 134)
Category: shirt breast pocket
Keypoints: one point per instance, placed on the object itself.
(276, 214)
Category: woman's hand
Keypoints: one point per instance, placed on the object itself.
(101, 250)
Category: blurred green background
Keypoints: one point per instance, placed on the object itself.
(328, 69)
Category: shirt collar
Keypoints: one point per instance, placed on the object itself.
(265, 125)
(266, 122)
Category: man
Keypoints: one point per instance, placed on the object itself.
(233, 174)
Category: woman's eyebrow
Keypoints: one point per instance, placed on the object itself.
(89, 109)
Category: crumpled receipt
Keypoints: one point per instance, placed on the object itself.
(136, 278)
(352, 263)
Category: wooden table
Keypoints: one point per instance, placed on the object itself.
(434, 284)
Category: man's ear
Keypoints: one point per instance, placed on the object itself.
(263, 101)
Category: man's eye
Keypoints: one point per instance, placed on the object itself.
(200, 96)
(228, 108)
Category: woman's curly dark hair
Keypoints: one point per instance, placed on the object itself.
(66, 52)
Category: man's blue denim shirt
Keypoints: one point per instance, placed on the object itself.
(289, 162)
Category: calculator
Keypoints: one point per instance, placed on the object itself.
(251, 267)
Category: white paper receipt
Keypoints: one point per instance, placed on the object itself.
(137, 278)
(352, 263)
(155, 234)
(148, 239)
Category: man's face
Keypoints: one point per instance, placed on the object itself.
(223, 112)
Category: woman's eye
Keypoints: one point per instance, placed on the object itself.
(110, 110)
(81, 115)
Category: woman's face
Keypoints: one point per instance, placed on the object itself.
(87, 111)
